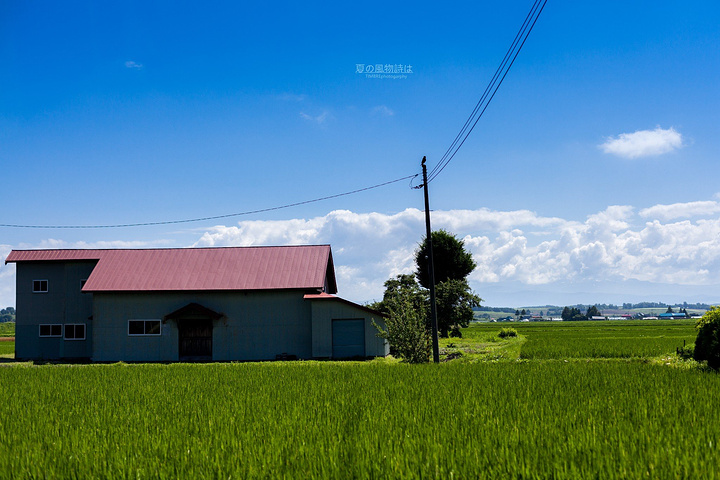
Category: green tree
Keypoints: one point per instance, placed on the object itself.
(707, 342)
(452, 264)
(455, 302)
(406, 330)
(669, 310)
(572, 314)
(400, 288)
(593, 312)
(450, 259)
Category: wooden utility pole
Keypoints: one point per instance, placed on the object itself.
(431, 268)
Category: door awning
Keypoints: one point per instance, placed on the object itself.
(193, 311)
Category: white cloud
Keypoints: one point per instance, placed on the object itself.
(322, 118)
(615, 246)
(7, 279)
(133, 65)
(383, 111)
(643, 143)
(681, 210)
(369, 248)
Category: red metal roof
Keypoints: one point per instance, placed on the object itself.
(325, 297)
(231, 268)
(52, 255)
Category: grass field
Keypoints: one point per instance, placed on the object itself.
(7, 329)
(7, 348)
(564, 340)
(496, 412)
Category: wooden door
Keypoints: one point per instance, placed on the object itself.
(195, 339)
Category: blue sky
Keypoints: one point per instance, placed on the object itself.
(588, 179)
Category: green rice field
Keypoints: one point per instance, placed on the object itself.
(7, 342)
(7, 329)
(495, 412)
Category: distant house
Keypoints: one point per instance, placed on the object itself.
(194, 304)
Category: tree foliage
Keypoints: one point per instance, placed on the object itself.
(401, 288)
(450, 259)
(455, 302)
(7, 314)
(452, 264)
(572, 314)
(405, 327)
(707, 343)
(593, 311)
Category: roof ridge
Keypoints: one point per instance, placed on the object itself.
(164, 248)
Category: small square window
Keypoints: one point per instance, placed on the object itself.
(40, 286)
(144, 327)
(51, 330)
(152, 327)
(74, 331)
(136, 327)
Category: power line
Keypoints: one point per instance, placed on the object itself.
(216, 217)
(457, 143)
(497, 80)
(485, 93)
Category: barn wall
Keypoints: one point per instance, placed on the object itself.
(255, 325)
(63, 304)
(326, 310)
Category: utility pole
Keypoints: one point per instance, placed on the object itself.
(431, 268)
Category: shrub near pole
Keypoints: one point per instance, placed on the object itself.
(707, 343)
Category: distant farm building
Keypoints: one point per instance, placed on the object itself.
(193, 304)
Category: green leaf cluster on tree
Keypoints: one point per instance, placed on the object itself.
(450, 259)
(707, 342)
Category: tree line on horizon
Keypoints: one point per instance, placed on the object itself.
(7, 315)
(556, 310)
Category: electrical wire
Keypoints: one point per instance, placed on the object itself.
(216, 217)
(450, 153)
(493, 86)
(487, 90)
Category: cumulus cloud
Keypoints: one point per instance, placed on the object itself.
(643, 143)
(681, 210)
(613, 245)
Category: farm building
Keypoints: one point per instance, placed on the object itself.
(189, 304)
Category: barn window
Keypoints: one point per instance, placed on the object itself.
(51, 330)
(144, 327)
(40, 286)
(74, 331)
